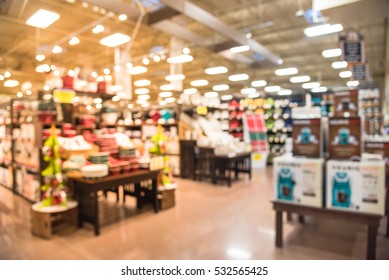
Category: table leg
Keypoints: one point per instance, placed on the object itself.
(301, 219)
(249, 165)
(155, 194)
(288, 216)
(236, 170)
(387, 225)
(371, 242)
(96, 214)
(213, 170)
(229, 173)
(278, 228)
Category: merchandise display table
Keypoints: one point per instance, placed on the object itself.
(371, 221)
(145, 190)
(42, 218)
(222, 166)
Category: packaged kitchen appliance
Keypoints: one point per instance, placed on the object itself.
(307, 137)
(356, 186)
(298, 180)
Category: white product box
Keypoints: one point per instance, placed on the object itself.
(356, 186)
(298, 180)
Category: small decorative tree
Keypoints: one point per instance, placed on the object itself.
(53, 189)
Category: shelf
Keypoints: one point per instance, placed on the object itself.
(104, 96)
(29, 168)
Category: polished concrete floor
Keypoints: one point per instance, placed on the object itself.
(208, 222)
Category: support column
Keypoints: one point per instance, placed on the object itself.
(385, 108)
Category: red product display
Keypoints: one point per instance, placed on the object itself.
(46, 117)
(68, 82)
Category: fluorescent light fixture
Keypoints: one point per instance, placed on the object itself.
(166, 87)
(123, 17)
(199, 83)
(311, 85)
(74, 41)
(239, 49)
(331, 53)
(182, 58)
(42, 19)
(353, 83)
(162, 103)
(248, 90)
(137, 70)
(286, 71)
(323, 29)
(170, 99)
(216, 70)
(141, 101)
(226, 97)
(345, 74)
(145, 105)
(339, 64)
(42, 68)
(165, 94)
(319, 89)
(40, 57)
(299, 79)
(144, 96)
(190, 91)
(49, 96)
(116, 88)
(11, 83)
(272, 88)
(253, 95)
(115, 40)
(221, 87)
(56, 49)
(211, 94)
(98, 29)
(142, 91)
(238, 77)
(259, 83)
(142, 83)
(1, 78)
(175, 77)
(284, 92)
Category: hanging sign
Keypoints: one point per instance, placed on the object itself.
(64, 95)
(353, 47)
(360, 72)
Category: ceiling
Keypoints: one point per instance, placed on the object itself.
(277, 33)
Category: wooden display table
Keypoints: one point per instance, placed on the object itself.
(222, 166)
(43, 218)
(145, 189)
(371, 221)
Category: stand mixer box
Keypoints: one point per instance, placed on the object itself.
(299, 180)
(356, 186)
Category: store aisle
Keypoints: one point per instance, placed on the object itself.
(208, 222)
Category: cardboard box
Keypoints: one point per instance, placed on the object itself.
(307, 138)
(298, 180)
(167, 198)
(344, 138)
(356, 186)
(346, 104)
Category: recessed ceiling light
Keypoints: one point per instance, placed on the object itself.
(284, 92)
(211, 94)
(165, 94)
(199, 83)
(19, 94)
(142, 91)
(11, 83)
(322, 29)
(145, 105)
(7, 74)
(190, 91)
(42, 19)
(130, 106)
(123, 17)
(97, 100)
(311, 85)
(98, 29)
(353, 83)
(40, 57)
(106, 71)
(259, 83)
(28, 92)
(166, 87)
(216, 70)
(239, 49)
(115, 98)
(42, 68)
(141, 101)
(170, 99)
(1, 78)
(319, 89)
(331, 53)
(226, 97)
(85, 5)
(108, 78)
(221, 87)
(186, 51)
(156, 58)
(146, 61)
(175, 77)
(144, 96)
(272, 88)
(299, 79)
(238, 77)
(182, 58)
(99, 106)
(74, 41)
(115, 40)
(339, 64)
(128, 65)
(117, 68)
(280, 61)
(142, 83)
(286, 71)
(137, 70)
(253, 95)
(248, 90)
(56, 49)
(345, 74)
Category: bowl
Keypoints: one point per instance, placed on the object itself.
(94, 170)
(109, 118)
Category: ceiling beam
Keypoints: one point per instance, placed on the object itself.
(200, 15)
(160, 14)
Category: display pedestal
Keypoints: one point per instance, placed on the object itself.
(371, 221)
(44, 218)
